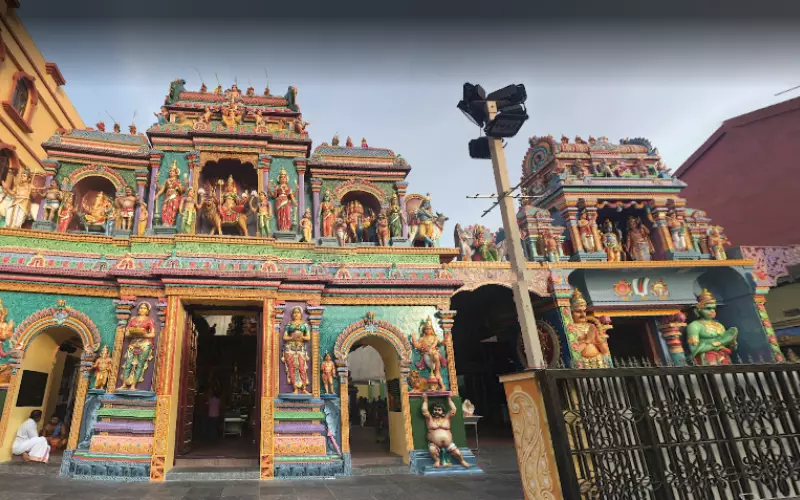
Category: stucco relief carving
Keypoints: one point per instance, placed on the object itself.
(474, 278)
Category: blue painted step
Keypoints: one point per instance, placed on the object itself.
(422, 463)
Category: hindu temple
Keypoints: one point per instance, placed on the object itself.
(201, 291)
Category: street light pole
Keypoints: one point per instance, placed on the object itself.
(527, 322)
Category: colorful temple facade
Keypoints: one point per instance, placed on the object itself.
(224, 209)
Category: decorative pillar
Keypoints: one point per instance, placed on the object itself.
(141, 183)
(279, 309)
(170, 341)
(315, 318)
(193, 161)
(124, 307)
(405, 369)
(344, 397)
(670, 328)
(301, 164)
(269, 371)
(155, 166)
(50, 169)
(87, 361)
(760, 299)
(264, 164)
(590, 207)
(570, 216)
(316, 187)
(401, 187)
(659, 212)
(446, 322)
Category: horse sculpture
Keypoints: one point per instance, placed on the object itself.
(211, 211)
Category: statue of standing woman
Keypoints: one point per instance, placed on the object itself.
(295, 356)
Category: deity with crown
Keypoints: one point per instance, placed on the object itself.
(231, 204)
(428, 345)
(426, 222)
(285, 201)
(709, 342)
(173, 192)
(588, 334)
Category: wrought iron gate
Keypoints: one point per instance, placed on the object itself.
(683, 433)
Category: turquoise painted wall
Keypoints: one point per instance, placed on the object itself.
(406, 318)
(99, 309)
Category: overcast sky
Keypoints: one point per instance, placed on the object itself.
(397, 85)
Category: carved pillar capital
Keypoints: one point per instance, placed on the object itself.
(670, 329)
(264, 162)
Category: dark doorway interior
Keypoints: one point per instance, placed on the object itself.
(633, 339)
(220, 386)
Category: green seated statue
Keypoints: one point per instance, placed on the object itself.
(709, 342)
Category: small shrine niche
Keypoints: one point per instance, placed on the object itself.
(93, 198)
(231, 183)
(634, 227)
(543, 240)
(360, 210)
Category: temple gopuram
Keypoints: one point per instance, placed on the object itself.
(195, 293)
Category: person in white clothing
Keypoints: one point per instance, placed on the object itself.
(28, 442)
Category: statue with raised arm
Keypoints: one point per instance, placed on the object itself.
(428, 346)
(709, 342)
(295, 357)
(439, 435)
(141, 329)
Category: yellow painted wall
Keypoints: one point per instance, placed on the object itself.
(38, 357)
(363, 390)
(54, 384)
(391, 366)
(54, 109)
(780, 299)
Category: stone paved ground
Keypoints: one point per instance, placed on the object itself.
(500, 482)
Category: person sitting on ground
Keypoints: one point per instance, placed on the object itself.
(56, 433)
(28, 442)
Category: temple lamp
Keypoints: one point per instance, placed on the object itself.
(501, 114)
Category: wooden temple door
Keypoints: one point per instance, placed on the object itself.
(188, 389)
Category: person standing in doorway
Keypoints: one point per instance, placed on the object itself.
(213, 416)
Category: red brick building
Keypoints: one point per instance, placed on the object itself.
(746, 176)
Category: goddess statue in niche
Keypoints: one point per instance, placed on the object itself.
(141, 329)
(709, 342)
(586, 230)
(285, 200)
(295, 356)
(328, 369)
(6, 325)
(101, 367)
(395, 218)
(172, 191)
(428, 346)
(612, 239)
(327, 215)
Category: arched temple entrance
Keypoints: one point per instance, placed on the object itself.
(51, 346)
(395, 352)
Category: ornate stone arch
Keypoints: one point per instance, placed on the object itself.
(59, 315)
(362, 185)
(370, 327)
(97, 171)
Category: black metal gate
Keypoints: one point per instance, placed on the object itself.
(686, 432)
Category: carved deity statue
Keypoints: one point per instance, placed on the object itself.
(487, 250)
(395, 218)
(172, 191)
(426, 219)
(264, 215)
(65, 212)
(307, 226)
(189, 207)
(382, 231)
(285, 200)
(97, 213)
(20, 190)
(439, 435)
(548, 245)
(328, 369)
(141, 329)
(586, 228)
(716, 243)
(637, 241)
(231, 205)
(429, 346)
(6, 325)
(295, 357)
(327, 216)
(612, 241)
(125, 204)
(709, 342)
(681, 240)
(101, 367)
(52, 201)
(591, 339)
